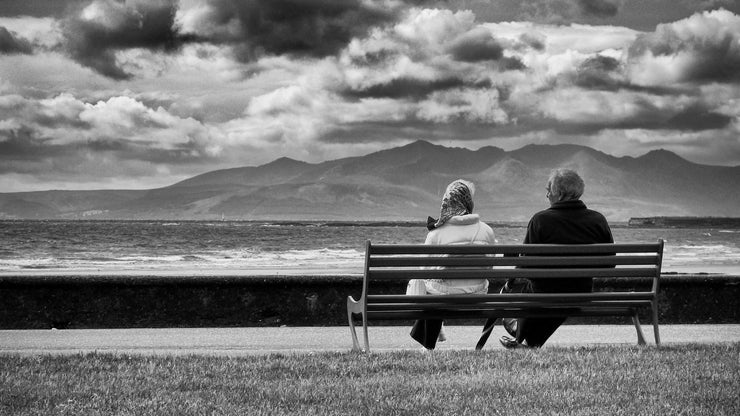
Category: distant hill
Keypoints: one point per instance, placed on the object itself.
(406, 183)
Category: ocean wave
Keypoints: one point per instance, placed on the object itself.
(229, 259)
(190, 257)
(274, 245)
(319, 257)
(698, 257)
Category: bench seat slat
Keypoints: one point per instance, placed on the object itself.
(508, 297)
(504, 305)
(396, 274)
(484, 261)
(572, 249)
(500, 313)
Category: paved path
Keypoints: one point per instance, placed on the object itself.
(244, 341)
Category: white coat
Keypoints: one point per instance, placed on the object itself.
(461, 229)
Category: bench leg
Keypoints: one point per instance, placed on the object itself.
(640, 336)
(351, 309)
(655, 322)
(367, 338)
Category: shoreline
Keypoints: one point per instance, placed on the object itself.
(230, 272)
(332, 278)
(714, 270)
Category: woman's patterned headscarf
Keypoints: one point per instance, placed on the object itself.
(457, 200)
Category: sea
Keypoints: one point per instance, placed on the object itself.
(78, 247)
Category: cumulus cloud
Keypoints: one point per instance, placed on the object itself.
(584, 93)
(474, 106)
(13, 44)
(120, 125)
(106, 143)
(441, 62)
(229, 83)
(433, 28)
(591, 112)
(702, 48)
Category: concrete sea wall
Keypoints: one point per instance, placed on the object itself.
(38, 302)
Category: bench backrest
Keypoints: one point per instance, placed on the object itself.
(418, 261)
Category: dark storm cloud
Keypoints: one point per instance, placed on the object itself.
(598, 72)
(600, 63)
(93, 42)
(693, 118)
(130, 150)
(412, 88)
(38, 8)
(562, 12)
(374, 58)
(107, 145)
(511, 64)
(598, 8)
(697, 118)
(476, 46)
(22, 152)
(313, 28)
(535, 42)
(20, 146)
(11, 44)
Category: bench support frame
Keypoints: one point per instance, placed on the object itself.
(403, 262)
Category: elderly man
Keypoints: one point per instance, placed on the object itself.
(567, 221)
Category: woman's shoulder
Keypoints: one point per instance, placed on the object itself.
(491, 236)
(484, 225)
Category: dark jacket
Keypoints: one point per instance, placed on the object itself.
(568, 222)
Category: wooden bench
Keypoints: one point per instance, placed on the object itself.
(636, 262)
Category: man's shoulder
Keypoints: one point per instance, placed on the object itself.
(552, 214)
(545, 213)
(595, 214)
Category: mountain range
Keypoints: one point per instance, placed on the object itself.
(406, 183)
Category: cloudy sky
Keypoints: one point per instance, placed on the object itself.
(143, 93)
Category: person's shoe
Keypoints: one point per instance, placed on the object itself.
(510, 343)
(442, 337)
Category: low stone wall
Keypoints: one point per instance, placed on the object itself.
(37, 302)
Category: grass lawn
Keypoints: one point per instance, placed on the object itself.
(593, 380)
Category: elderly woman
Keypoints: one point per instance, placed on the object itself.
(456, 225)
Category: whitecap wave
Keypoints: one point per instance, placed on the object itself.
(213, 260)
(699, 257)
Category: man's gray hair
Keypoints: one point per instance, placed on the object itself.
(565, 184)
